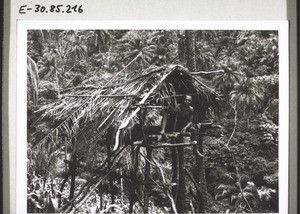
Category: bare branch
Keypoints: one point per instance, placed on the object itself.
(235, 123)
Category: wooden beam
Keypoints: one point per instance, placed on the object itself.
(140, 143)
(186, 134)
(145, 106)
(173, 134)
(69, 95)
(106, 96)
(207, 72)
(172, 145)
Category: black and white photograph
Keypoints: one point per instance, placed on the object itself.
(153, 120)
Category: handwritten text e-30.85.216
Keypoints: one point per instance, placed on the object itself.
(51, 9)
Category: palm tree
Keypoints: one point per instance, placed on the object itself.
(247, 97)
(205, 52)
(164, 42)
(225, 81)
(138, 45)
(78, 47)
(102, 40)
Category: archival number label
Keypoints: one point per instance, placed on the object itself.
(59, 8)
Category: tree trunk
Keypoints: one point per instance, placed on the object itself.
(62, 187)
(122, 188)
(181, 48)
(191, 52)
(181, 198)
(178, 177)
(73, 164)
(111, 184)
(101, 201)
(134, 178)
(147, 181)
(175, 179)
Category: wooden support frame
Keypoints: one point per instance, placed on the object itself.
(173, 141)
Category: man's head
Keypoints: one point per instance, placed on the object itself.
(187, 100)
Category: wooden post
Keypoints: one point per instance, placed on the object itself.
(200, 177)
(122, 188)
(73, 166)
(147, 167)
(111, 184)
(101, 201)
(174, 155)
(181, 197)
(134, 177)
(147, 180)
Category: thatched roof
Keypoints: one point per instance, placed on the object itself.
(114, 105)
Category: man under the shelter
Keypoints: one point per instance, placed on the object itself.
(183, 118)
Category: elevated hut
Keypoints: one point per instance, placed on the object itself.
(115, 106)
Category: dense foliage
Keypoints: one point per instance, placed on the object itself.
(81, 172)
